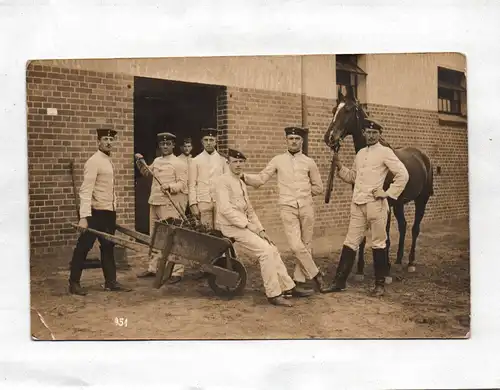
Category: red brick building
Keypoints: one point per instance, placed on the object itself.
(420, 98)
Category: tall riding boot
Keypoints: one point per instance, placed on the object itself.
(344, 268)
(381, 268)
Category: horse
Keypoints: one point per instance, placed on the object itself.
(348, 118)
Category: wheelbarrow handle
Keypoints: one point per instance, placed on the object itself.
(137, 247)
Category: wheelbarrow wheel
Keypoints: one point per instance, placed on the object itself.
(225, 291)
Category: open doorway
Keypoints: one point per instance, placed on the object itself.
(177, 107)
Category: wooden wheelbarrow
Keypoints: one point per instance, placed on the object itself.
(213, 255)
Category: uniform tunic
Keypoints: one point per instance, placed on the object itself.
(237, 219)
(298, 181)
(368, 173)
(187, 161)
(202, 170)
(98, 186)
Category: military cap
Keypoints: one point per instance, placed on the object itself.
(187, 140)
(209, 132)
(165, 137)
(236, 154)
(372, 124)
(295, 130)
(105, 133)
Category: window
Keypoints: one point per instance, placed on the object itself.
(348, 72)
(451, 92)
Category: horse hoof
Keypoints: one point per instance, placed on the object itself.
(359, 277)
(411, 268)
(388, 279)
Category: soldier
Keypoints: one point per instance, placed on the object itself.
(298, 181)
(172, 173)
(369, 207)
(236, 219)
(204, 168)
(97, 211)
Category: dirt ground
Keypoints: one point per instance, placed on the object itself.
(433, 302)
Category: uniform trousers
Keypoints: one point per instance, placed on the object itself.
(104, 221)
(273, 271)
(159, 213)
(371, 215)
(298, 223)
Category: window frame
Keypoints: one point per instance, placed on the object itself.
(346, 67)
(451, 92)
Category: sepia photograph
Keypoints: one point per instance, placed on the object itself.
(249, 197)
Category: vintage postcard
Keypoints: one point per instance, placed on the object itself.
(264, 197)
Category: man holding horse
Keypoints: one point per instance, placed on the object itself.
(298, 181)
(369, 206)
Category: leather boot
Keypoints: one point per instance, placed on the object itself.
(344, 268)
(381, 269)
(279, 301)
(76, 289)
(298, 292)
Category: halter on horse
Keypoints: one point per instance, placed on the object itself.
(347, 120)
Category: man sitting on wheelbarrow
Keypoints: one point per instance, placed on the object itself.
(172, 173)
(237, 219)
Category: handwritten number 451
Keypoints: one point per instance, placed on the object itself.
(120, 321)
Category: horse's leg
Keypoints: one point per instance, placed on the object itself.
(420, 205)
(388, 278)
(399, 213)
(361, 261)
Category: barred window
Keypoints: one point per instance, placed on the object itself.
(452, 93)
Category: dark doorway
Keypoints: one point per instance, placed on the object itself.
(164, 105)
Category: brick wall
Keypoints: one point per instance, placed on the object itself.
(447, 148)
(252, 120)
(84, 100)
(256, 120)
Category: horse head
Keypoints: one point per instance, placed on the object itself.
(347, 120)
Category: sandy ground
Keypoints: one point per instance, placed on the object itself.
(433, 302)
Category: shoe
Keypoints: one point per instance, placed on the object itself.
(115, 286)
(298, 292)
(146, 274)
(377, 291)
(279, 301)
(76, 289)
(320, 283)
(333, 288)
(174, 279)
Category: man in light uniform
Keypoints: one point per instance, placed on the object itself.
(298, 181)
(203, 169)
(236, 219)
(97, 211)
(186, 157)
(369, 206)
(172, 172)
